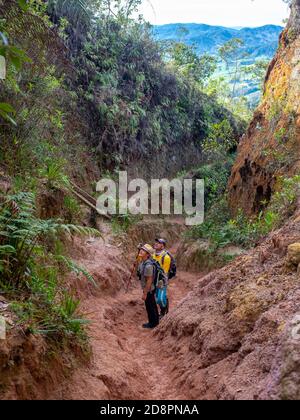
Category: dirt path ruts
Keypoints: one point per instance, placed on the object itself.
(145, 347)
(128, 362)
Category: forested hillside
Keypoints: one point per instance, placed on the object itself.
(258, 42)
(113, 72)
(241, 55)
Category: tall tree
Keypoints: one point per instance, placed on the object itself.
(232, 53)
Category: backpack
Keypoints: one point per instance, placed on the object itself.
(159, 274)
(173, 266)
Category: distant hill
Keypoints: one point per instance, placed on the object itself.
(259, 42)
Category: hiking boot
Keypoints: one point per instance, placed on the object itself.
(162, 314)
(149, 326)
(164, 311)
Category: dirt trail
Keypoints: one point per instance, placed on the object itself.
(145, 348)
(127, 362)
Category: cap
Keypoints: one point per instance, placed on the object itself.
(161, 241)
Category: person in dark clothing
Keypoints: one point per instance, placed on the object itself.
(146, 272)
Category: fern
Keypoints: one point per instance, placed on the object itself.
(22, 235)
(29, 269)
(73, 267)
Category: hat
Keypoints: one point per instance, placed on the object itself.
(161, 241)
(148, 248)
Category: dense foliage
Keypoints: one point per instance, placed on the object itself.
(135, 104)
(221, 229)
(31, 265)
(130, 104)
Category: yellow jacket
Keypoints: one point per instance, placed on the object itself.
(164, 260)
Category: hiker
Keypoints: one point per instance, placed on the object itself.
(147, 273)
(167, 262)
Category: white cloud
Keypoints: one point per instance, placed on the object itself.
(216, 12)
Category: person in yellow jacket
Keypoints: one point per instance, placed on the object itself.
(164, 259)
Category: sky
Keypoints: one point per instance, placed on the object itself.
(230, 13)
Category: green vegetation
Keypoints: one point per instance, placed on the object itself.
(122, 223)
(215, 176)
(223, 230)
(238, 231)
(137, 103)
(239, 63)
(31, 270)
(184, 58)
(220, 141)
(229, 75)
(203, 71)
(126, 102)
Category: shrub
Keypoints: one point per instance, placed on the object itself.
(220, 140)
(72, 210)
(222, 230)
(283, 202)
(215, 176)
(31, 270)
